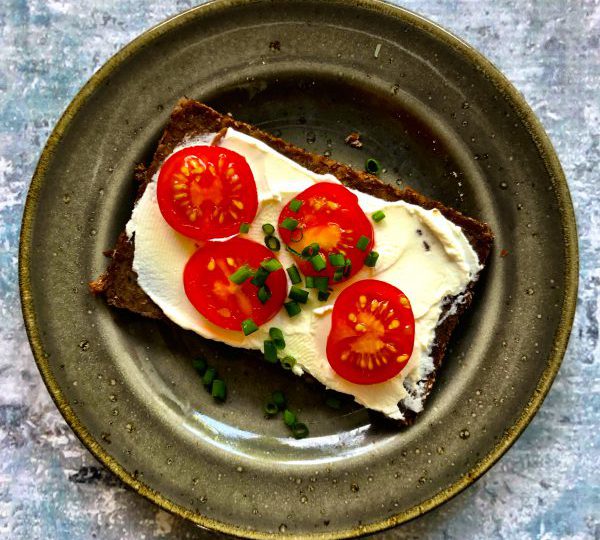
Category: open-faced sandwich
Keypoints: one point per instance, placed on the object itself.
(248, 240)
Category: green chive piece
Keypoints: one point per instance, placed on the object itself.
(270, 409)
(294, 274)
(336, 259)
(249, 327)
(295, 205)
(299, 430)
(363, 243)
(372, 166)
(240, 275)
(289, 223)
(318, 262)
(323, 295)
(296, 235)
(245, 228)
(278, 398)
(292, 308)
(377, 216)
(273, 243)
(270, 351)
(288, 362)
(321, 283)
(200, 365)
(371, 259)
(277, 336)
(289, 418)
(209, 376)
(260, 277)
(310, 251)
(310, 282)
(219, 390)
(333, 401)
(338, 275)
(293, 251)
(298, 294)
(271, 265)
(264, 293)
(268, 229)
(347, 267)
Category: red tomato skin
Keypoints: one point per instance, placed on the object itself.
(215, 199)
(348, 221)
(387, 332)
(210, 291)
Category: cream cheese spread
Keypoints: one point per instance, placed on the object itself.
(421, 252)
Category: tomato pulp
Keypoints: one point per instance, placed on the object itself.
(326, 215)
(372, 332)
(206, 192)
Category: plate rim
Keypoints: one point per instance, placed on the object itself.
(561, 337)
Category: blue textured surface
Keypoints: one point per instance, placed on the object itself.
(547, 486)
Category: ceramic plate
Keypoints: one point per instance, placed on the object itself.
(440, 118)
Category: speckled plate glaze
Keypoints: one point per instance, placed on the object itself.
(440, 118)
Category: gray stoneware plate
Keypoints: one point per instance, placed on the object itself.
(438, 116)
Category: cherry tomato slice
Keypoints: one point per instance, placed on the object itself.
(329, 216)
(220, 300)
(372, 332)
(206, 192)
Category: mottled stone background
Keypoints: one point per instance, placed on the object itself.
(547, 486)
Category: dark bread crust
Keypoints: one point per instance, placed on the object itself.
(191, 118)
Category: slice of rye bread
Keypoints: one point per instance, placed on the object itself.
(118, 284)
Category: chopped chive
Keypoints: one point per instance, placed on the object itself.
(240, 275)
(289, 418)
(219, 390)
(209, 376)
(363, 243)
(347, 267)
(334, 402)
(310, 282)
(268, 229)
(289, 223)
(338, 275)
(295, 205)
(200, 365)
(293, 251)
(294, 274)
(296, 235)
(310, 251)
(278, 399)
(260, 277)
(336, 259)
(318, 262)
(323, 295)
(371, 259)
(271, 265)
(277, 336)
(264, 293)
(245, 228)
(292, 308)
(249, 327)
(321, 282)
(299, 430)
(288, 362)
(272, 243)
(270, 409)
(298, 294)
(377, 216)
(270, 351)
(372, 166)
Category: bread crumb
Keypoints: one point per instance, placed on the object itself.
(353, 140)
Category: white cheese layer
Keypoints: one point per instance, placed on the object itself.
(420, 252)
